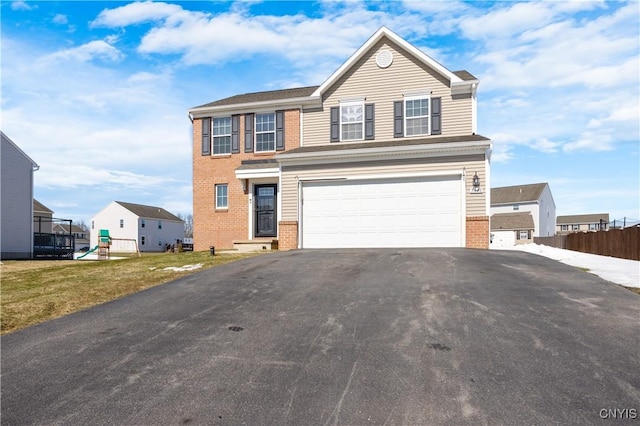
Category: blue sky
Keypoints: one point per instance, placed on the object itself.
(97, 92)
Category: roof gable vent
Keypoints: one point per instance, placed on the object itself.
(384, 58)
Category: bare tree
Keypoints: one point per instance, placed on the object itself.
(188, 224)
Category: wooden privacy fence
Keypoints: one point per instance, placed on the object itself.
(557, 241)
(622, 243)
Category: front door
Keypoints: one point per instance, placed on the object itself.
(265, 210)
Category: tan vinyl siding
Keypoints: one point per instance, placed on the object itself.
(475, 203)
(383, 86)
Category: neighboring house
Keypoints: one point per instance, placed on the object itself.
(510, 229)
(42, 218)
(16, 201)
(582, 223)
(80, 235)
(382, 154)
(533, 198)
(152, 228)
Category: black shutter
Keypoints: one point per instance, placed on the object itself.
(369, 127)
(235, 134)
(335, 124)
(436, 116)
(279, 130)
(398, 119)
(206, 136)
(248, 133)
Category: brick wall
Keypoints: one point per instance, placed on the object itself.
(477, 232)
(288, 235)
(219, 228)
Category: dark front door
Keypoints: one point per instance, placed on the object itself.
(265, 210)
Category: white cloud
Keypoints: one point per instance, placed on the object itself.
(60, 19)
(97, 49)
(590, 141)
(136, 13)
(21, 5)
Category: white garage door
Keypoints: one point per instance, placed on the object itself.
(503, 239)
(416, 212)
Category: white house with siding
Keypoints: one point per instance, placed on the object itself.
(535, 199)
(152, 228)
(16, 192)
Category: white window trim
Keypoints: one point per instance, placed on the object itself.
(346, 104)
(217, 186)
(428, 116)
(255, 131)
(213, 136)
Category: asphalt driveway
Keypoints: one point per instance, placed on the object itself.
(405, 336)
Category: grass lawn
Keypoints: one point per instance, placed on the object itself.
(34, 291)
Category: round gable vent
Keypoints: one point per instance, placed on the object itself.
(384, 58)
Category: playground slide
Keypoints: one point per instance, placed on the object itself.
(90, 251)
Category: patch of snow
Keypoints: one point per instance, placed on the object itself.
(620, 271)
(183, 268)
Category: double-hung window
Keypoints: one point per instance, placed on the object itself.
(416, 116)
(351, 121)
(265, 132)
(222, 135)
(222, 196)
(564, 227)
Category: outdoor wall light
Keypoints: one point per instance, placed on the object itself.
(475, 189)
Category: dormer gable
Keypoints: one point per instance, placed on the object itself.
(459, 81)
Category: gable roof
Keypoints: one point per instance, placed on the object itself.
(312, 95)
(377, 36)
(511, 221)
(582, 218)
(517, 193)
(149, 212)
(64, 227)
(39, 207)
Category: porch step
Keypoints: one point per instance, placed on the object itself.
(258, 244)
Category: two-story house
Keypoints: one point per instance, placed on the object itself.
(521, 212)
(582, 223)
(16, 201)
(137, 227)
(384, 153)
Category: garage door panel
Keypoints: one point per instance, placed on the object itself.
(423, 212)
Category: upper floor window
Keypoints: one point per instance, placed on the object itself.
(159, 224)
(416, 116)
(564, 227)
(265, 132)
(222, 135)
(121, 223)
(575, 227)
(142, 224)
(516, 207)
(351, 121)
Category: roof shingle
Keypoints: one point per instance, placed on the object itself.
(150, 212)
(582, 219)
(517, 193)
(268, 96)
(511, 221)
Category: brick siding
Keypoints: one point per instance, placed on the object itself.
(288, 235)
(219, 228)
(477, 232)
